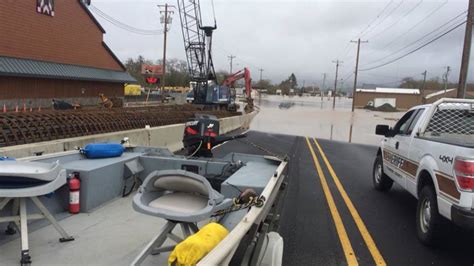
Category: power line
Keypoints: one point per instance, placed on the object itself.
(381, 21)
(419, 39)
(346, 77)
(370, 24)
(416, 25)
(412, 51)
(122, 25)
(347, 48)
(397, 21)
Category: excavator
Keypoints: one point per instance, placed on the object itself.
(198, 47)
(241, 74)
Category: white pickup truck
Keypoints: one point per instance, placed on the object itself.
(430, 153)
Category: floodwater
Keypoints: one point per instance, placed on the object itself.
(314, 117)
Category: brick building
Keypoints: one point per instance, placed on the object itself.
(55, 49)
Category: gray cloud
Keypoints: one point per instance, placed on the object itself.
(302, 37)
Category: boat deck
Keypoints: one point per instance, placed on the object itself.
(114, 234)
(110, 235)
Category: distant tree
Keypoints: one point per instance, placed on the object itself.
(410, 83)
(263, 84)
(293, 81)
(134, 67)
(289, 83)
(221, 75)
(432, 84)
(176, 71)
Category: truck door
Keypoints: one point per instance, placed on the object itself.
(397, 148)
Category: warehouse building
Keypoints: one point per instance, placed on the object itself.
(400, 98)
(55, 49)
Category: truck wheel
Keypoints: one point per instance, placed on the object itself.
(428, 220)
(381, 181)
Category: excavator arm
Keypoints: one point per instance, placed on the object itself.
(242, 74)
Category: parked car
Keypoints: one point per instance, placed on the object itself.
(430, 153)
(190, 97)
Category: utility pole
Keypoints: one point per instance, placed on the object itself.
(356, 71)
(466, 52)
(231, 58)
(354, 88)
(422, 92)
(261, 70)
(322, 87)
(446, 79)
(335, 83)
(165, 20)
(424, 82)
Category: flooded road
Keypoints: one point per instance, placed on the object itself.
(311, 116)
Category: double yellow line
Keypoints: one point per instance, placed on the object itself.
(341, 231)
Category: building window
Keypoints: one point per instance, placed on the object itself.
(45, 7)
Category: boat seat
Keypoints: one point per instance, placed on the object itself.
(180, 197)
(180, 202)
(20, 181)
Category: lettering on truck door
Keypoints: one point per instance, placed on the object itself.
(397, 148)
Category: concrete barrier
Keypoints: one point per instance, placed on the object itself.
(169, 136)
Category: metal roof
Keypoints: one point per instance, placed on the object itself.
(17, 67)
(437, 93)
(391, 90)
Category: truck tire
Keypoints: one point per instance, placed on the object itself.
(429, 223)
(381, 181)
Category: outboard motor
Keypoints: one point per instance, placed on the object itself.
(202, 134)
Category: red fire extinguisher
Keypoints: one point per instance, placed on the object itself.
(74, 187)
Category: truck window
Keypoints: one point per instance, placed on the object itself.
(402, 125)
(415, 119)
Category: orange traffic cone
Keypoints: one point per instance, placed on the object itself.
(4, 108)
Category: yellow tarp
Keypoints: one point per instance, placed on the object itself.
(195, 247)
(132, 89)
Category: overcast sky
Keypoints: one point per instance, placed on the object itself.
(304, 37)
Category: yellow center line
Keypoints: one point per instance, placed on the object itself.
(341, 230)
(369, 241)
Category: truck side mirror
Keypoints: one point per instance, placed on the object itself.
(383, 130)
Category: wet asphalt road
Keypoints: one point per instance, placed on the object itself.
(307, 225)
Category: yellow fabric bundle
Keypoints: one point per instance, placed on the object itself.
(196, 246)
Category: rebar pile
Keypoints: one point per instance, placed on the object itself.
(30, 127)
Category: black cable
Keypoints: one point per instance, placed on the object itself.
(416, 25)
(412, 51)
(122, 25)
(370, 24)
(347, 76)
(397, 21)
(117, 22)
(366, 28)
(381, 21)
(125, 26)
(419, 39)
